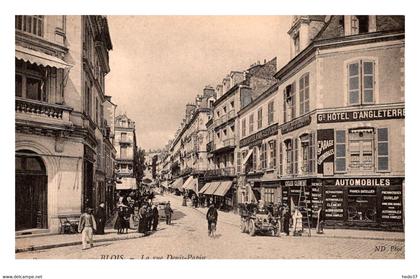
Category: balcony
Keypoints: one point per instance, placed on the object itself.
(228, 171)
(224, 145)
(28, 110)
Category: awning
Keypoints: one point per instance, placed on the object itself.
(223, 188)
(177, 184)
(191, 185)
(187, 182)
(205, 187)
(164, 184)
(127, 183)
(247, 157)
(39, 58)
(212, 188)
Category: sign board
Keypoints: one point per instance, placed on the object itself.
(267, 132)
(295, 124)
(334, 204)
(392, 206)
(325, 148)
(361, 115)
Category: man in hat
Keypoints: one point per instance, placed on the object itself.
(168, 213)
(101, 217)
(87, 225)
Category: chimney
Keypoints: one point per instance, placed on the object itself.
(189, 110)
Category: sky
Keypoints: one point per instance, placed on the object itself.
(161, 63)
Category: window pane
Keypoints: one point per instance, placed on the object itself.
(383, 148)
(368, 82)
(383, 163)
(368, 67)
(340, 164)
(354, 69)
(354, 97)
(306, 107)
(368, 96)
(340, 150)
(354, 83)
(307, 80)
(307, 93)
(33, 89)
(18, 85)
(340, 136)
(301, 83)
(383, 134)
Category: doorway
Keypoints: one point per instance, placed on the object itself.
(31, 189)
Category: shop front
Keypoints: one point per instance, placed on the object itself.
(363, 202)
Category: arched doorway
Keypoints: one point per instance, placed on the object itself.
(31, 191)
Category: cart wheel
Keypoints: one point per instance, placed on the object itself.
(251, 228)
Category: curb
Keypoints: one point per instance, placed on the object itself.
(331, 236)
(72, 243)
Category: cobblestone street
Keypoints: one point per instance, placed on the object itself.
(187, 238)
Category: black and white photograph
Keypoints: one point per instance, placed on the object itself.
(202, 136)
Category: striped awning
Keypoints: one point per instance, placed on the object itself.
(212, 188)
(39, 58)
(223, 188)
(205, 187)
(177, 184)
(191, 184)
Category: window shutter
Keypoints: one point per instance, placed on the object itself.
(311, 161)
(353, 74)
(293, 100)
(301, 95)
(383, 149)
(340, 150)
(368, 81)
(284, 105)
(274, 159)
(280, 158)
(295, 162)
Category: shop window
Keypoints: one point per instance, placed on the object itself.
(243, 127)
(289, 103)
(251, 123)
(304, 94)
(30, 24)
(361, 208)
(383, 149)
(340, 151)
(269, 195)
(361, 150)
(259, 120)
(361, 82)
(273, 152)
(270, 111)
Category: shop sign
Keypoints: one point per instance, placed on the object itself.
(361, 115)
(363, 181)
(267, 132)
(289, 183)
(391, 206)
(360, 191)
(316, 195)
(295, 124)
(334, 204)
(325, 151)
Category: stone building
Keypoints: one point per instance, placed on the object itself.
(61, 63)
(125, 144)
(341, 122)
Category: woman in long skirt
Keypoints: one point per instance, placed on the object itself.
(119, 223)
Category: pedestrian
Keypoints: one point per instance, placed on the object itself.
(119, 223)
(320, 221)
(168, 213)
(211, 217)
(101, 219)
(297, 222)
(155, 217)
(286, 221)
(87, 225)
(149, 214)
(142, 219)
(126, 219)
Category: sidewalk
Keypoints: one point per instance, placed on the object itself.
(234, 220)
(48, 241)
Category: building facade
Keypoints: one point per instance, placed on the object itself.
(341, 130)
(61, 63)
(125, 144)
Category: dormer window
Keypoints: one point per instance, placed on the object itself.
(296, 43)
(359, 24)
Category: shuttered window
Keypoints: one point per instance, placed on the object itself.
(312, 158)
(340, 150)
(296, 156)
(360, 78)
(304, 94)
(383, 149)
(280, 158)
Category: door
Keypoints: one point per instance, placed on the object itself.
(30, 194)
